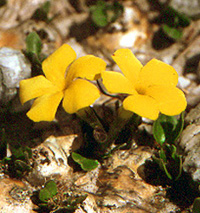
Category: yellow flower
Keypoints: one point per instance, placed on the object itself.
(57, 84)
(151, 88)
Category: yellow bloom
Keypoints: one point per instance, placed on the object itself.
(151, 88)
(57, 84)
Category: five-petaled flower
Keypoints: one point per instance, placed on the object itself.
(59, 83)
(151, 88)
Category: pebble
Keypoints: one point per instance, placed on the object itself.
(183, 82)
(13, 68)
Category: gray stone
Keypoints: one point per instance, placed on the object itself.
(190, 8)
(190, 144)
(192, 164)
(193, 116)
(13, 68)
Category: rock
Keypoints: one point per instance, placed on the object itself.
(130, 31)
(193, 94)
(190, 8)
(14, 197)
(15, 12)
(88, 182)
(190, 144)
(122, 189)
(13, 68)
(89, 205)
(187, 61)
(115, 186)
(193, 116)
(183, 82)
(78, 48)
(51, 158)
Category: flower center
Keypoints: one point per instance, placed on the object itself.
(141, 90)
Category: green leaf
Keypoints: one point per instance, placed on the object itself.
(163, 155)
(42, 12)
(114, 11)
(178, 128)
(104, 13)
(42, 205)
(46, 7)
(52, 187)
(21, 153)
(170, 162)
(180, 166)
(174, 18)
(196, 205)
(44, 195)
(167, 128)
(18, 153)
(98, 14)
(89, 115)
(173, 152)
(6, 160)
(177, 160)
(28, 151)
(33, 44)
(158, 131)
(49, 190)
(172, 32)
(162, 166)
(22, 166)
(166, 170)
(85, 163)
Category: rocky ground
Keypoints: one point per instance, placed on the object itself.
(127, 181)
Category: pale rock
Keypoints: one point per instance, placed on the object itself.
(90, 205)
(187, 135)
(190, 8)
(183, 82)
(88, 182)
(193, 94)
(113, 201)
(193, 116)
(51, 158)
(78, 48)
(13, 68)
(14, 197)
(189, 144)
(191, 76)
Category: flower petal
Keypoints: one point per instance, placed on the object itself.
(156, 72)
(171, 100)
(87, 67)
(44, 108)
(117, 83)
(35, 87)
(54, 67)
(128, 63)
(142, 105)
(78, 95)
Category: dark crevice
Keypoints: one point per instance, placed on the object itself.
(83, 30)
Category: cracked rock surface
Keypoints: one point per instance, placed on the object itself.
(13, 68)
